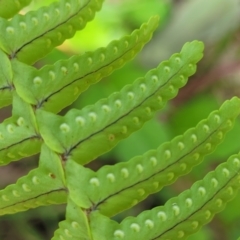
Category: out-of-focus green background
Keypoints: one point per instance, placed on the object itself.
(217, 24)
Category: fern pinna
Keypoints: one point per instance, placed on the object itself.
(67, 143)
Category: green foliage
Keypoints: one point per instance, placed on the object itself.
(67, 143)
(122, 113)
(38, 32)
(156, 168)
(79, 72)
(180, 216)
(42, 186)
(10, 7)
(19, 134)
(5, 80)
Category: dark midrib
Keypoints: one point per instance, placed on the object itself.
(124, 115)
(23, 140)
(199, 209)
(162, 170)
(88, 74)
(6, 88)
(51, 29)
(29, 199)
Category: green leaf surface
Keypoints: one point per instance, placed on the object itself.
(76, 225)
(80, 182)
(19, 135)
(6, 76)
(30, 37)
(42, 186)
(103, 125)
(17, 140)
(115, 188)
(180, 216)
(56, 86)
(9, 8)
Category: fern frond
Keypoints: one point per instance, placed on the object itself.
(42, 186)
(115, 118)
(19, 136)
(6, 76)
(76, 225)
(54, 87)
(30, 37)
(115, 188)
(180, 216)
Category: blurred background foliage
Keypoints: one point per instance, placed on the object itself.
(217, 24)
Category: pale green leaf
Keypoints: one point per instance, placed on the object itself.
(113, 189)
(76, 225)
(180, 216)
(31, 36)
(19, 135)
(56, 86)
(103, 125)
(6, 77)
(42, 186)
